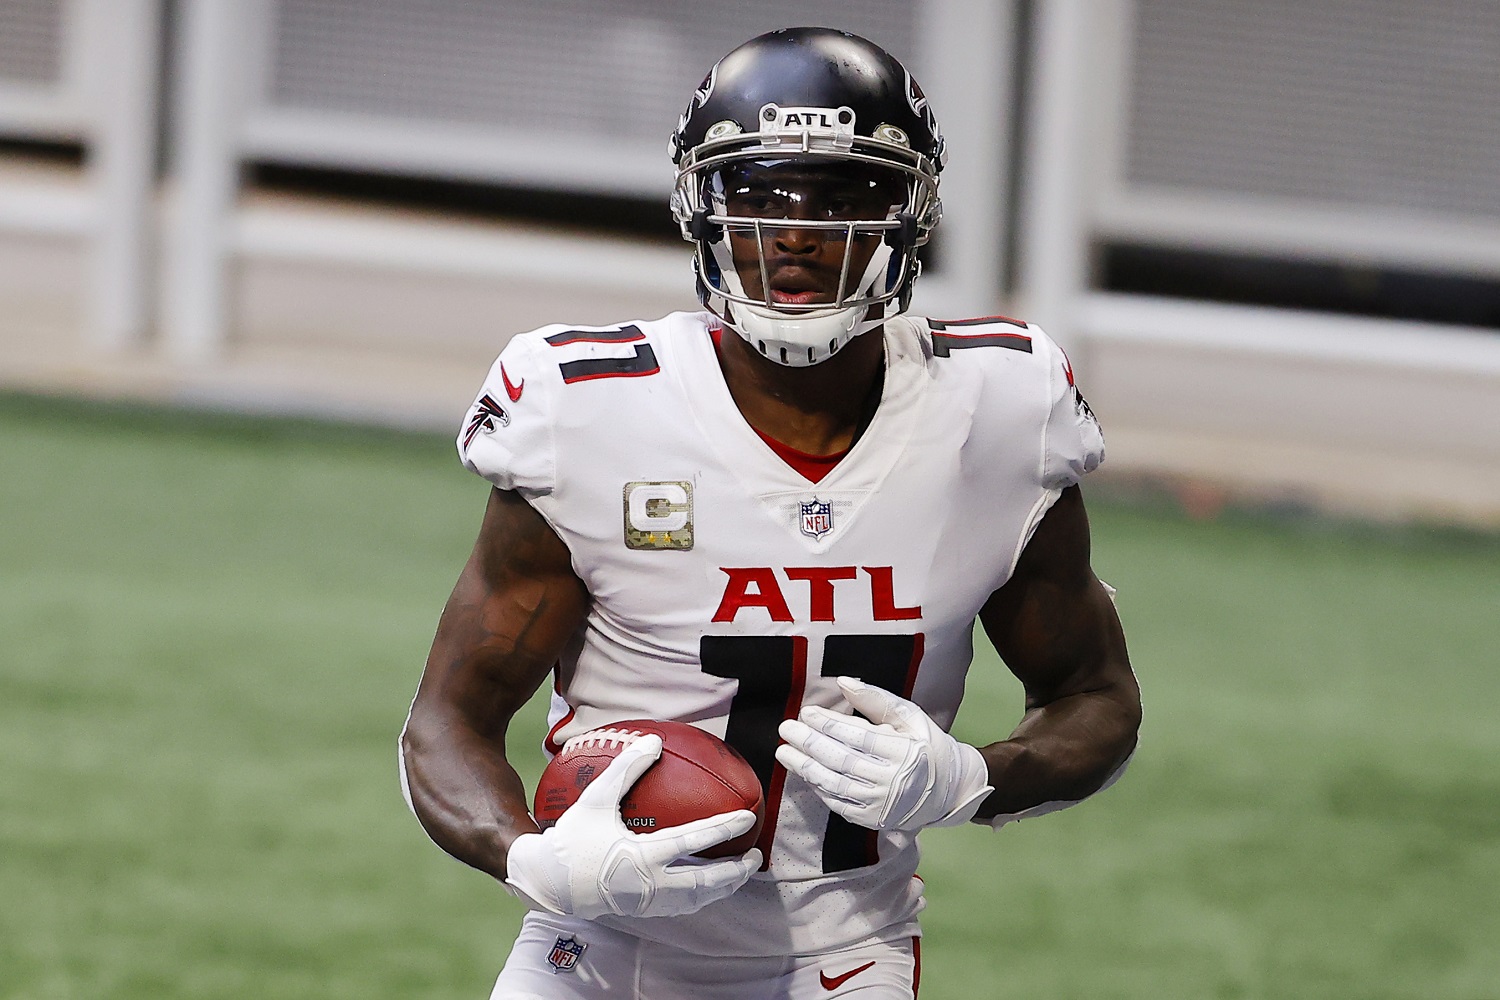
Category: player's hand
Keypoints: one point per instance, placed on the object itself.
(589, 864)
(899, 771)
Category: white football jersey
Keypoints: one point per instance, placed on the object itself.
(728, 591)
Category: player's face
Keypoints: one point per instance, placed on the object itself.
(802, 264)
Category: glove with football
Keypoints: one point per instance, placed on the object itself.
(897, 771)
(589, 864)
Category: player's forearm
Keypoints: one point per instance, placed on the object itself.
(467, 797)
(496, 641)
(1063, 751)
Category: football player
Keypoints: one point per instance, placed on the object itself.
(776, 518)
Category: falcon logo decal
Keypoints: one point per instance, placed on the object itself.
(915, 99)
(706, 88)
(700, 98)
(1080, 405)
(487, 413)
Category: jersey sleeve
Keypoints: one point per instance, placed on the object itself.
(1073, 444)
(506, 436)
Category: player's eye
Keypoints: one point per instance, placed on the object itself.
(754, 202)
(841, 208)
(847, 206)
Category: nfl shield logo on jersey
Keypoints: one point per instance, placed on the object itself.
(565, 954)
(817, 518)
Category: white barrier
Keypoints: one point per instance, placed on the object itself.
(1118, 104)
(94, 71)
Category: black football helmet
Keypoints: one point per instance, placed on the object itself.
(823, 106)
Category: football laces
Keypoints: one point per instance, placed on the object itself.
(597, 738)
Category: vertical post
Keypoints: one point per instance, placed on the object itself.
(1056, 196)
(964, 61)
(205, 181)
(123, 48)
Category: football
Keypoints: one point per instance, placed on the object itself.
(698, 775)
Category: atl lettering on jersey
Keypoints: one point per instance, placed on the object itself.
(761, 587)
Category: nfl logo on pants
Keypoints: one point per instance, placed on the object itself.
(817, 518)
(565, 954)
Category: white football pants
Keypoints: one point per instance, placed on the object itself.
(565, 958)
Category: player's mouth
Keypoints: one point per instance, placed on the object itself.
(799, 285)
(796, 298)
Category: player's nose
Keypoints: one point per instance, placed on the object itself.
(797, 240)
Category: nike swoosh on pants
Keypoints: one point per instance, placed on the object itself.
(834, 982)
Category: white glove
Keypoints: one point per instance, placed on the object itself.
(899, 771)
(589, 864)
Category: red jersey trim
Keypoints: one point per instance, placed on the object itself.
(811, 467)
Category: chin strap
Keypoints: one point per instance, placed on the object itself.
(796, 341)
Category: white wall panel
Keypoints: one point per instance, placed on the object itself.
(31, 38)
(1346, 130)
(1362, 103)
(43, 70)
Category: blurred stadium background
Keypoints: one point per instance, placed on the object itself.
(1268, 234)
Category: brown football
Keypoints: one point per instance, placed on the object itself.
(697, 775)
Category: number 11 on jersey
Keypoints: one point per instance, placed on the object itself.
(772, 675)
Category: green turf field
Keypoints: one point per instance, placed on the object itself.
(211, 629)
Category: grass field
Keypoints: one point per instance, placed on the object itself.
(212, 627)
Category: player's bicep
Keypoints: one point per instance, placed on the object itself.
(516, 605)
(1053, 622)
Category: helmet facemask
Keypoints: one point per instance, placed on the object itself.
(801, 249)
